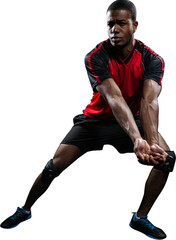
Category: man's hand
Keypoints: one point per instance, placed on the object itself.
(142, 150)
(149, 155)
(158, 154)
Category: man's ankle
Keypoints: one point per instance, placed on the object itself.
(140, 214)
(28, 210)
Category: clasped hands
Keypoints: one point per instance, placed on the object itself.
(149, 154)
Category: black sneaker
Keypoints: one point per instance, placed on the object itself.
(143, 225)
(19, 216)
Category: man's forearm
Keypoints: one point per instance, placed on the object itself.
(112, 94)
(149, 118)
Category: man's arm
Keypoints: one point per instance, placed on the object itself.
(112, 94)
(149, 112)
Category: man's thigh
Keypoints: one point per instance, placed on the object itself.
(65, 155)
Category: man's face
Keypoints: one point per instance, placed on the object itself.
(121, 27)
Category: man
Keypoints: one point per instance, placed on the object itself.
(126, 79)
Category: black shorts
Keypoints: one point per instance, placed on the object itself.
(92, 134)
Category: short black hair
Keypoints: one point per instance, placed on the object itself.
(125, 5)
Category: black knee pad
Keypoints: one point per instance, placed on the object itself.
(50, 171)
(169, 164)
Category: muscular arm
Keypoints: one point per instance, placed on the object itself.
(112, 94)
(149, 112)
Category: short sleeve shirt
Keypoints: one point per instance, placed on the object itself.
(129, 74)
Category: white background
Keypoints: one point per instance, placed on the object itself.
(43, 85)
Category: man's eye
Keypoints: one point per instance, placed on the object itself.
(110, 24)
(122, 23)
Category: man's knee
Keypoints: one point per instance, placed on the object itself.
(50, 171)
(169, 164)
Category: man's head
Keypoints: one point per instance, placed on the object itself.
(121, 22)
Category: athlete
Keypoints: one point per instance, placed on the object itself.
(126, 77)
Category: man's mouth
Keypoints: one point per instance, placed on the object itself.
(116, 39)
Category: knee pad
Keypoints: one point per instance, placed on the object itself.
(50, 171)
(169, 164)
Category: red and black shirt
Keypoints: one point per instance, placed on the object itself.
(129, 74)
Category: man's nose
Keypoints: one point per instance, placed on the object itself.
(115, 28)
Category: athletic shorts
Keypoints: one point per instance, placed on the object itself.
(92, 134)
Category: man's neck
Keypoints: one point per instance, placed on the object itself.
(124, 51)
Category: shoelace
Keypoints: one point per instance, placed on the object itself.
(17, 214)
(147, 222)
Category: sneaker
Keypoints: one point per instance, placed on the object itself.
(19, 216)
(143, 225)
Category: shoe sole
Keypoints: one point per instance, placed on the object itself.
(19, 223)
(132, 226)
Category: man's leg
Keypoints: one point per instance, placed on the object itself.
(154, 185)
(64, 157)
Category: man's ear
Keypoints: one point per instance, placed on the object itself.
(135, 25)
